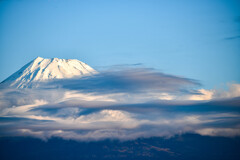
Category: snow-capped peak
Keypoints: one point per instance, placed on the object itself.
(41, 69)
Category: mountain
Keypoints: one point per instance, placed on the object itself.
(41, 69)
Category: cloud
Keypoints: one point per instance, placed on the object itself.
(123, 125)
(78, 121)
(215, 94)
(203, 95)
(219, 131)
(232, 38)
(233, 91)
(122, 104)
(130, 80)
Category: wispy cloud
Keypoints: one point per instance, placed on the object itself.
(232, 38)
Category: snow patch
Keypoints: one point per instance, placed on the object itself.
(41, 69)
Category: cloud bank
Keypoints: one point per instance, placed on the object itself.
(120, 104)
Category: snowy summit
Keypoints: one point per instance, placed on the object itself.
(41, 69)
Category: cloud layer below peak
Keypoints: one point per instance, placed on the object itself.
(120, 104)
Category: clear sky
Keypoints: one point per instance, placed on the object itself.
(197, 39)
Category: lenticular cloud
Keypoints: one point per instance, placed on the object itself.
(116, 104)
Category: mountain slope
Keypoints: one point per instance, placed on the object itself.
(41, 69)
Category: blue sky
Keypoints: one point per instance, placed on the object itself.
(195, 39)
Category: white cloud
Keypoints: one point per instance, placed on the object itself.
(232, 92)
(226, 132)
(204, 95)
(72, 114)
(214, 94)
(20, 110)
(70, 95)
